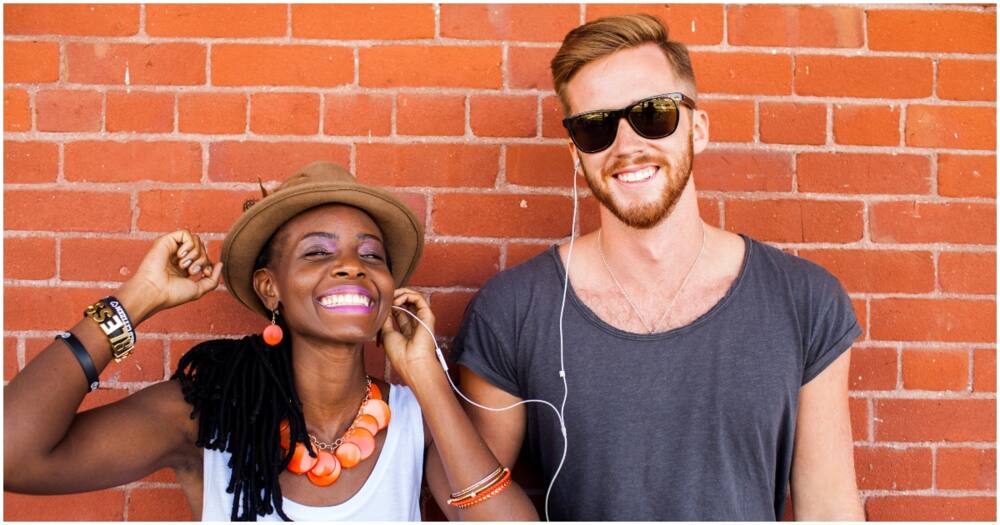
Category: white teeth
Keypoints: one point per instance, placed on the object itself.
(636, 176)
(347, 299)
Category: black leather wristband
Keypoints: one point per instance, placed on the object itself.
(86, 363)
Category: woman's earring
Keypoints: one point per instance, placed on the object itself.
(273, 333)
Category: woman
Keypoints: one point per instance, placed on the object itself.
(285, 425)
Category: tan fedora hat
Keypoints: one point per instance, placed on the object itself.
(314, 185)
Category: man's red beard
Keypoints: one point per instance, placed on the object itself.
(647, 215)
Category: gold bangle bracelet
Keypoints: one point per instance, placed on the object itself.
(113, 328)
(481, 485)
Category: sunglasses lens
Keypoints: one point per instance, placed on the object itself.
(593, 132)
(654, 118)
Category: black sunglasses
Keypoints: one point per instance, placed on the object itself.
(652, 118)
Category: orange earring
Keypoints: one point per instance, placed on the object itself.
(273, 333)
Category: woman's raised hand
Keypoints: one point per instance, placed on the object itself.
(176, 270)
(409, 347)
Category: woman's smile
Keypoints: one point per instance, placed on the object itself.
(347, 299)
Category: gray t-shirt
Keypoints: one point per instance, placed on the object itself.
(697, 423)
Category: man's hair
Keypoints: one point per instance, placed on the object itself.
(602, 37)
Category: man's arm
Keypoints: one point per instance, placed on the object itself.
(503, 432)
(824, 486)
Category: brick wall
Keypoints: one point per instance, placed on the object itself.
(862, 138)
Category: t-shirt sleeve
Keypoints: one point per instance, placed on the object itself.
(834, 326)
(480, 348)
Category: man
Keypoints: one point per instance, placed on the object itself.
(704, 370)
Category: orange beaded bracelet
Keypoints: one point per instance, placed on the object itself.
(483, 494)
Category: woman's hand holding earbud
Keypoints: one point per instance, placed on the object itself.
(408, 345)
(176, 270)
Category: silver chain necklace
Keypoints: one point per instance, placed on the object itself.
(666, 314)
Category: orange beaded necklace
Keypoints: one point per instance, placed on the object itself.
(355, 446)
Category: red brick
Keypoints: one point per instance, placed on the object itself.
(522, 22)
(200, 210)
(743, 73)
(16, 110)
(157, 64)
(959, 223)
(688, 23)
(859, 418)
(363, 21)
(416, 202)
(795, 26)
(106, 161)
(29, 258)
(430, 66)
(950, 127)
(60, 210)
(447, 165)
(212, 113)
(967, 175)
(890, 468)
(863, 173)
(10, 367)
(216, 21)
(984, 370)
(448, 310)
(71, 19)
(164, 475)
(935, 419)
(158, 504)
(863, 76)
(784, 123)
(721, 170)
(967, 468)
(709, 211)
(731, 120)
(873, 369)
(492, 215)
(539, 165)
(866, 125)
(216, 313)
(30, 161)
(68, 110)
(430, 114)
(101, 259)
(357, 114)
(877, 271)
(930, 508)
(35, 311)
(503, 115)
(284, 113)
(456, 264)
(517, 253)
(968, 272)
(967, 79)
(104, 505)
(931, 369)
(528, 67)
(145, 364)
(936, 30)
(281, 65)
(796, 220)
(30, 62)
(552, 116)
(140, 112)
(245, 161)
(950, 320)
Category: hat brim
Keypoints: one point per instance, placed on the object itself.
(403, 234)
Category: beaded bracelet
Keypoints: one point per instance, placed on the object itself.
(492, 491)
(494, 486)
(475, 487)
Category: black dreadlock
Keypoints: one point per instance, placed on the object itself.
(241, 389)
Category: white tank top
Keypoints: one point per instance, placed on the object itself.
(391, 492)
